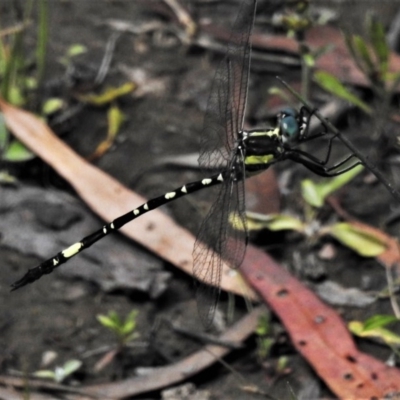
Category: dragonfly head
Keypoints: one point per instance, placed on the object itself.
(289, 126)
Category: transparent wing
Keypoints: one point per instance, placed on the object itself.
(222, 237)
(223, 233)
(227, 101)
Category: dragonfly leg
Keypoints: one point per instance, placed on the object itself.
(319, 167)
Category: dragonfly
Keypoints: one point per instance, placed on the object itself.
(236, 153)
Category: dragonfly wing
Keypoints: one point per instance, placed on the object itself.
(219, 240)
(227, 101)
(239, 52)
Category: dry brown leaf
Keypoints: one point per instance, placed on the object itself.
(109, 199)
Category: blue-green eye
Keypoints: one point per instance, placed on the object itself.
(288, 125)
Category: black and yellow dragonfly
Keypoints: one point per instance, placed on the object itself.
(236, 154)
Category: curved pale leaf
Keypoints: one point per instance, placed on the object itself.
(364, 243)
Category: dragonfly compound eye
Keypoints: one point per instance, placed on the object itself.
(289, 128)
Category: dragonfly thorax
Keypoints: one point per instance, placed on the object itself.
(261, 149)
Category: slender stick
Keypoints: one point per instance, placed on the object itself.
(365, 161)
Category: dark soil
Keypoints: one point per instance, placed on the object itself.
(58, 313)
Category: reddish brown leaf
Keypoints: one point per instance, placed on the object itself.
(318, 333)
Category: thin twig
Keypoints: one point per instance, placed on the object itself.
(183, 16)
(107, 58)
(392, 296)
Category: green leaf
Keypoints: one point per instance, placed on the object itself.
(71, 366)
(362, 242)
(31, 83)
(45, 373)
(115, 318)
(108, 95)
(15, 96)
(263, 326)
(115, 118)
(358, 329)
(128, 327)
(311, 193)
(350, 47)
(364, 54)
(52, 105)
(329, 83)
(42, 39)
(316, 193)
(124, 330)
(379, 43)
(309, 60)
(275, 91)
(379, 321)
(4, 133)
(6, 178)
(76, 50)
(106, 321)
(17, 152)
(274, 222)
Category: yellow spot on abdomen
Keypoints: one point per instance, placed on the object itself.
(170, 195)
(72, 250)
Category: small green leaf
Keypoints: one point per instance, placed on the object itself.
(334, 86)
(379, 43)
(115, 118)
(328, 186)
(52, 105)
(393, 76)
(31, 82)
(263, 326)
(71, 366)
(264, 347)
(4, 133)
(45, 373)
(362, 242)
(274, 222)
(7, 178)
(379, 321)
(358, 329)
(124, 330)
(128, 327)
(108, 95)
(106, 321)
(114, 317)
(76, 50)
(316, 193)
(17, 152)
(311, 193)
(283, 362)
(275, 91)
(309, 60)
(350, 46)
(364, 54)
(15, 96)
